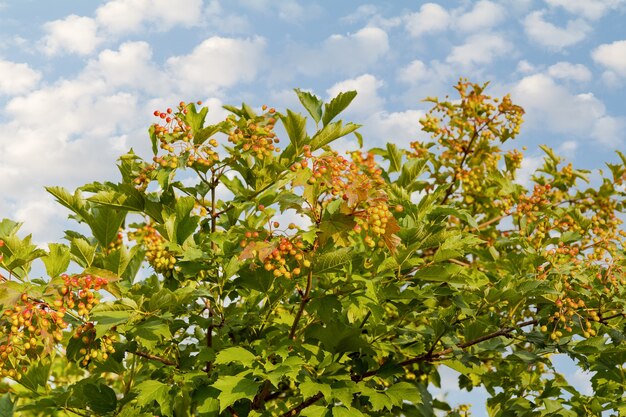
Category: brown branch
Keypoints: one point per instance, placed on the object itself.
(430, 356)
(495, 219)
(261, 397)
(304, 404)
(154, 358)
(232, 411)
(303, 302)
(604, 319)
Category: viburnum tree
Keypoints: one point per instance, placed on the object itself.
(236, 274)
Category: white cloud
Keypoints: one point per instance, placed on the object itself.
(288, 10)
(431, 18)
(551, 36)
(590, 9)
(568, 148)
(569, 71)
(479, 49)
(415, 72)
(131, 67)
(16, 78)
(551, 106)
(74, 34)
(400, 128)
(224, 22)
(484, 15)
(367, 100)
(122, 16)
(609, 130)
(367, 108)
(525, 67)
(217, 63)
(612, 56)
(345, 54)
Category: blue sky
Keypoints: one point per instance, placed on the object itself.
(79, 80)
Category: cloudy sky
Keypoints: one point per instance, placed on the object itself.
(79, 80)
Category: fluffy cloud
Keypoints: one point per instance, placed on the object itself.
(130, 66)
(612, 56)
(348, 54)
(551, 36)
(367, 100)
(367, 108)
(484, 15)
(16, 78)
(431, 18)
(569, 71)
(123, 16)
(74, 34)
(415, 72)
(217, 63)
(590, 9)
(551, 106)
(479, 49)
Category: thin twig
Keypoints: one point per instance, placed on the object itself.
(303, 302)
(154, 358)
(304, 404)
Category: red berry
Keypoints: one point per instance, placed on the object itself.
(156, 113)
(162, 115)
(169, 111)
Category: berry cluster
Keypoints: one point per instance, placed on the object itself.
(359, 183)
(145, 176)
(175, 137)
(255, 136)
(92, 348)
(117, 243)
(79, 293)
(285, 256)
(162, 260)
(27, 330)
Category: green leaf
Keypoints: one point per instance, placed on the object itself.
(311, 388)
(6, 405)
(332, 260)
(316, 411)
(295, 126)
(106, 223)
(105, 320)
(311, 103)
(395, 158)
(337, 105)
(404, 391)
(336, 229)
(152, 331)
(36, 379)
(342, 411)
(439, 273)
(411, 171)
(57, 260)
(152, 390)
(186, 224)
(235, 354)
(126, 198)
(330, 133)
(73, 202)
(233, 388)
(82, 252)
(100, 398)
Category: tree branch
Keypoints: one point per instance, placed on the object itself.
(154, 358)
(429, 356)
(304, 404)
(303, 302)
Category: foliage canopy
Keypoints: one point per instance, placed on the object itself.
(229, 277)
